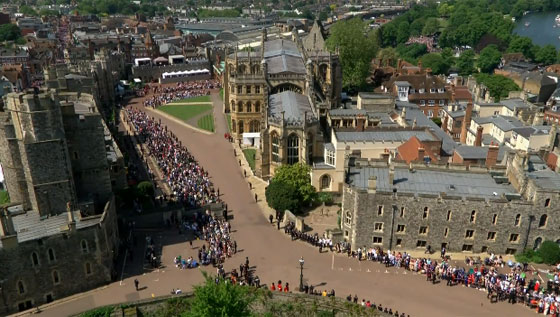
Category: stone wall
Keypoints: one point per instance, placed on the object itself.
(404, 221)
(70, 260)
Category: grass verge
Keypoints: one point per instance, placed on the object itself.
(194, 99)
(206, 123)
(250, 157)
(184, 112)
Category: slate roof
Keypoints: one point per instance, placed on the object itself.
(385, 136)
(456, 183)
(283, 56)
(469, 152)
(293, 104)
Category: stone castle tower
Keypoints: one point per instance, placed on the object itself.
(34, 154)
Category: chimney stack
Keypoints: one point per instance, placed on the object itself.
(492, 155)
(421, 153)
(478, 140)
(466, 123)
(391, 175)
(445, 123)
(372, 184)
(360, 123)
(70, 214)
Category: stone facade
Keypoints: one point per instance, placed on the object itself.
(263, 91)
(395, 220)
(60, 166)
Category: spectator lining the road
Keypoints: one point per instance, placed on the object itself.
(165, 95)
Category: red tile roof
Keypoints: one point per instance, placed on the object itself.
(408, 151)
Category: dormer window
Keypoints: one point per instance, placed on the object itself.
(432, 90)
(441, 90)
(412, 90)
(421, 90)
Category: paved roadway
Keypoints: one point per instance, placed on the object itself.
(276, 257)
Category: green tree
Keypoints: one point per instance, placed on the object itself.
(521, 44)
(489, 58)
(546, 55)
(436, 62)
(445, 9)
(9, 32)
(465, 63)
(388, 55)
(220, 299)
(403, 32)
(145, 189)
(411, 52)
(549, 251)
(27, 10)
(498, 85)
(281, 196)
(297, 176)
(357, 45)
(431, 26)
(416, 27)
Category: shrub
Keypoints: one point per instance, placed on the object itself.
(325, 198)
(145, 189)
(281, 196)
(549, 251)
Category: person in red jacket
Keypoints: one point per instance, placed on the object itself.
(287, 288)
(279, 286)
(272, 287)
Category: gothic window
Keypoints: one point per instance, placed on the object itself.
(325, 181)
(240, 128)
(293, 149)
(426, 213)
(35, 258)
(254, 126)
(239, 89)
(21, 287)
(239, 106)
(538, 242)
(248, 107)
(84, 246)
(257, 106)
(232, 107)
(542, 221)
(248, 89)
(256, 69)
(55, 277)
(473, 216)
(517, 220)
(348, 219)
(241, 69)
(275, 141)
(547, 202)
(257, 89)
(52, 256)
(233, 125)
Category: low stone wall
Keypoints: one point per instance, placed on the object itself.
(290, 217)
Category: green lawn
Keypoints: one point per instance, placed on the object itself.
(185, 112)
(206, 123)
(194, 99)
(250, 157)
(228, 119)
(4, 197)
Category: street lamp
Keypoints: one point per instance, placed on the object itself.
(301, 262)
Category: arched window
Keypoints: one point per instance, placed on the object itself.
(473, 216)
(55, 277)
(275, 143)
(517, 220)
(88, 268)
(257, 106)
(241, 69)
(84, 246)
(538, 242)
(542, 221)
(240, 128)
(248, 89)
(51, 255)
(254, 126)
(233, 125)
(248, 107)
(35, 258)
(293, 149)
(325, 181)
(309, 143)
(232, 107)
(239, 106)
(547, 202)
(21, 287)
(256, 69)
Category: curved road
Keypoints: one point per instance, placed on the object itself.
(276, 257)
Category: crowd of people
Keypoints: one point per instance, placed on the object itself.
(514, 286)
(162, 95)
(189, 182)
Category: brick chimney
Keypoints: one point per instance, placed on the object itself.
(466, 123)
(360, 123)
(444, 124)
(492, 155)
(478, 140)
(421, 154)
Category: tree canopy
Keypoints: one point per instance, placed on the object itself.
(357, 46)
(489, 58)
(297, 176)
(281, 196)
(9, 32)
(465, 63)
(436, 62)
(220, 298)
(498, 85)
